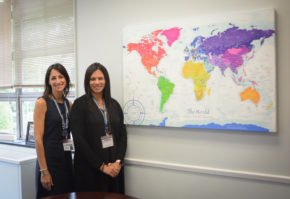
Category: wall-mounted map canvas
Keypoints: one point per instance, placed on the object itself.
(208, 72)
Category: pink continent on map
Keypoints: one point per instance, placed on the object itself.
(171, 34)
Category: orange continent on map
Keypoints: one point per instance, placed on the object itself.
(250, 94)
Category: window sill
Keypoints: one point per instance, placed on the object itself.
(18, 143)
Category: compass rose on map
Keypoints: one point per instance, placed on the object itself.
(134, 112)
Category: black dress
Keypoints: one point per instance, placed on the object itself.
(87, 128)
(59, 162)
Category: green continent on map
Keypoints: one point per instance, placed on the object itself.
(166, 88)
(197, 73)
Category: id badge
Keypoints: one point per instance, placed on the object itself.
(68, 145)
(107, 141)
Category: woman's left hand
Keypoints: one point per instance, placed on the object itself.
(112, 169)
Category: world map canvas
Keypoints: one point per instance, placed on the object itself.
(216, 73)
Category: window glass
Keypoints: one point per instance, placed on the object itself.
(32, 90)
(72, 89)
(8, 119)
(8, 90)
(27, 114)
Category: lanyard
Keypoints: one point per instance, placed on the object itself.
(105, 115)
(64, 122)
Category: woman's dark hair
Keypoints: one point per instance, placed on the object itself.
(107, 90)
(60, 68)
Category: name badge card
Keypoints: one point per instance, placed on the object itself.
(107, 141)
(68, 145)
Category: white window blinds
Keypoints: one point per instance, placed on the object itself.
(5, 44)
(43, 33)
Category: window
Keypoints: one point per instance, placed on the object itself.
(16, 109)
(43, 33)
(33, 35)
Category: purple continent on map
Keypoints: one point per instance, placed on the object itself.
(227, 49)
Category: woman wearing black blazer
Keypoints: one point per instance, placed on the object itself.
(99, 135)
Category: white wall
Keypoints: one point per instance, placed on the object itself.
(190, 163)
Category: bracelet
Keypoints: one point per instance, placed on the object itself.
(42, 171)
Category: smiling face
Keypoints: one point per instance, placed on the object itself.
(97, 83)
(57, 81)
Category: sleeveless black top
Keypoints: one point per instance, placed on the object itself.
(59, 162)
(53, 138)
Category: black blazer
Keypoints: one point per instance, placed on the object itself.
(87, 126)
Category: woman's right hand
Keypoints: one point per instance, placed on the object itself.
(46, 180)
(111, 170)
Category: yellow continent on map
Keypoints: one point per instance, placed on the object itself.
(199, 76)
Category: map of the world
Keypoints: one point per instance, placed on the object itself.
(202, 74)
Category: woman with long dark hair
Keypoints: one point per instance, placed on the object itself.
(54, 173)
(99, 135)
